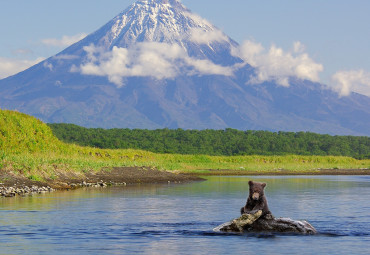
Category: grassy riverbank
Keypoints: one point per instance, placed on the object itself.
(28, 148)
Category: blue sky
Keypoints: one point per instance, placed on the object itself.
(335, 33)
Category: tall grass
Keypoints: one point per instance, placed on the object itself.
(28, 147)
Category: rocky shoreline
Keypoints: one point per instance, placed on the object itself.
(13, 191)
(14, 185)
(24, 191)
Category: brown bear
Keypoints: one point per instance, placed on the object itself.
(256, 200)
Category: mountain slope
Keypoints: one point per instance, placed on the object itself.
(158, 65)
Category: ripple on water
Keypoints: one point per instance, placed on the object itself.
(128, 221)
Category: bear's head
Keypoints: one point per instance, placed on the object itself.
(256, 190)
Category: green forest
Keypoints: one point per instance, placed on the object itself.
(228, 142)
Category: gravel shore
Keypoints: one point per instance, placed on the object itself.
(12, 185)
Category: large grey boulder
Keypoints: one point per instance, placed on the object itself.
(253, 223)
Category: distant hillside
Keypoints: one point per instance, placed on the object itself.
(30, 151)
(227, 142)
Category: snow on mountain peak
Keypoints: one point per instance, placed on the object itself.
(156, 38)
(166, 21)
(174, 3)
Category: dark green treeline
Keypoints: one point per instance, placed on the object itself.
(216, 142)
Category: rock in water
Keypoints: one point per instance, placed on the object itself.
(253, 223)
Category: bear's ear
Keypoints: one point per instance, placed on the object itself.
(250, 183)
(263, 184)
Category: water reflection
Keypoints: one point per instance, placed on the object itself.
(178, 219)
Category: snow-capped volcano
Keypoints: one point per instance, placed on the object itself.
(159, 21)
(155, 38)
(156, 21)
(158, 65)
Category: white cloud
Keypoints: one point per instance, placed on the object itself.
(66, 57)
(22, 52)
(166, 61)
(48, 65)
(249, 52)
(149, 59)
(206, 67)
(64, 41)
(198, 19)
(202, 36)
(298, 47)
(278, 65)
(345, 82)
(10, 67)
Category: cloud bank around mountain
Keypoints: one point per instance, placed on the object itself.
(345, 82)
(278, 65)
(147, 59)
(166, 61)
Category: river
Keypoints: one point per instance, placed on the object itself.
(179, 218)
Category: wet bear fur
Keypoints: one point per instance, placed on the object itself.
(256, 200)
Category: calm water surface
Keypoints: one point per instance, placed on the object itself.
(178, 219)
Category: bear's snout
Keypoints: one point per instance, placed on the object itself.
(256, 196)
